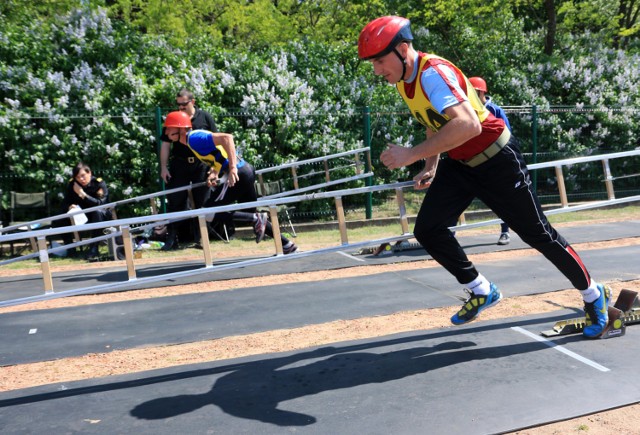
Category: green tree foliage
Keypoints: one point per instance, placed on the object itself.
(23, 11)
(614, 22)
(177, 20)
(244, 23)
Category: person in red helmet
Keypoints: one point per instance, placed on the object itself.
(230, 176)
(480, 85)
(180, 167)
(484, 161)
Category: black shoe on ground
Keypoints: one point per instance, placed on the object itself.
(73, 253)
(260, 226)
(171, 244)
(289, 249)
(504, 239)
(120, 254)
(93, 253)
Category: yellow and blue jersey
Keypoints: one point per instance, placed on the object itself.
(438, 84)
(202, 144)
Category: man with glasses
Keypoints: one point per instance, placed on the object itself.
(182, 169)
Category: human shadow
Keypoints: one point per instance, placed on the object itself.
(255, 389)
(142, 272)
(280, 369)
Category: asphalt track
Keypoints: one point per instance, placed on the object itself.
(486, 377)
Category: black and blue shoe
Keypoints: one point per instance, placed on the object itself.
(476, 304)
(597, 313)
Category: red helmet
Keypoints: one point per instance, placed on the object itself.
(178, 119)
(381, 36)
(478, 84)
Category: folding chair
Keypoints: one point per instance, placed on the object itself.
(25, 207)
(272, 188)
(219, 228)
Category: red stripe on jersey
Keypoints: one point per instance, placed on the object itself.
(454, 90)
(576, 257)
(492, 127)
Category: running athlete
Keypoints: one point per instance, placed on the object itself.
(484, 162)
(218, 151)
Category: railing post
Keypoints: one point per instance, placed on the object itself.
(342, 223)
(295, 177)
(204, 240)
(404, 222)
(561, 188)
(367, 144)
(534, 143)
(357, 163)
(275, 225)
(154, 206)
(44, 264)
(327, 177)
(128, 252)
(163, 202)
(608, 179)
(192, 202)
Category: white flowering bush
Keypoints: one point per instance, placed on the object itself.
(81, 87)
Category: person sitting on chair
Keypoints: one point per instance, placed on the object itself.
(219, 152)
(85, 191)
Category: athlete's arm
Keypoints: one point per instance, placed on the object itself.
(462, 126)
(425, 177)
(226, 141)
(164, 161)
(445, 94)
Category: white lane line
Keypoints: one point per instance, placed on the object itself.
(350, 256)
(561, 349)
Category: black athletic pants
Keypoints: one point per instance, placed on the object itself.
(504, 185)
(184, 173)
(243, 191)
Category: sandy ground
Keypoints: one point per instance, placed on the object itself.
(624, 420)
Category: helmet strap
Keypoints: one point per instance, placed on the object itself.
(404, 63)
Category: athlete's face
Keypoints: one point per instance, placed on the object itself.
(389, 66)
(177, 134)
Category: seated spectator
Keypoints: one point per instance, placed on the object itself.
(85, 191)
(218, 151)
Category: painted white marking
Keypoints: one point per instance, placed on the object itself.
(350, 256)
(33, 331)
(559, 348)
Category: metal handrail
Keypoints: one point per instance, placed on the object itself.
(109, 205)
(245, 263)
(179, 215)
(313, 160)
(113, 205)
(271, 202)
(576, 160)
